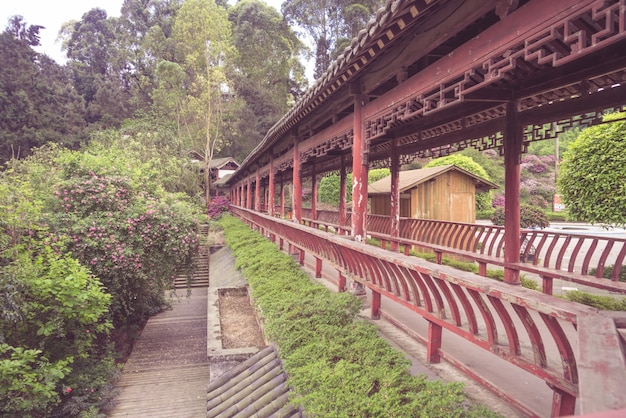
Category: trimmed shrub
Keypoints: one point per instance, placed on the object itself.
(337, 363)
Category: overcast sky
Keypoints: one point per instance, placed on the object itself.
(53, 13)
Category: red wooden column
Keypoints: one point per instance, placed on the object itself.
(282, 197)
(257, 192)
(272, 193)
(296, 207)
(342, 194)
(314, 193)
(512, 160)
(359, 172)
(395, 195)
(249, 194)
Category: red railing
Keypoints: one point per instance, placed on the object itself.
(578, 258)
(538, 333)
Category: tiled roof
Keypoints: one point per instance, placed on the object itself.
(256, 387)
(220, 162)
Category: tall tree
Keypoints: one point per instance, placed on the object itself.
(205, 41)
(144, 34)
(37, 101)
(267, 75)
(93, 56)
(329, 24)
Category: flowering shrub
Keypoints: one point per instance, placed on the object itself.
(498, 201)
(134, 243)
(534, 164)
(217, 207)
(530, 217)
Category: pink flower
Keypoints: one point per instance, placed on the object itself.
(68, 390)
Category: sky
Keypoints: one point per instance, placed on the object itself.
(53, 13)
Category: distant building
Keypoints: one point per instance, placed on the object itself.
(443, 193)
(221, 169)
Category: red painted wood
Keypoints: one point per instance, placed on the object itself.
(417, 279)
(434, 343)
(430, 285)
(376, 300)
(296, 205)
(588, 255)
(341, 282)
(561, 256)
(512, 160)
(342, 193)
(570, 369)
(249, 194)
(507, 322)
(359, 172)
(490, 323)
(547, 285)
(428, 280)
(454, 309)
(536, 341)
(395, 195)
(563, 404)
(470, 315)
(314, 186)
(619, 263)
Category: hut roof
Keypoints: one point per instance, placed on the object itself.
(412, 178)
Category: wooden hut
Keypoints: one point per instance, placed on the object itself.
(445, 193)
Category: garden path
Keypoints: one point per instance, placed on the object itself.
(168, 370)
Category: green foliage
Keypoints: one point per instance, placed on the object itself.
(136, 244)
(29, 383)
(485, 214)
(483, 199)
(328, 191)
(330, 24)
(530, 217)
(592, 174)
(37, 100)
(607, 273)
(75, 224)
(57, 321)
(377, 174)
(557, 216)
(606, 303)
(267, 74)
(337, 363)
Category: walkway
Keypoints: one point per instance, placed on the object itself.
(168, 370)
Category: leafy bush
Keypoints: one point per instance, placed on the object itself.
(607, 303)
(134, 243)
(484, 214)
(337, 363)
(557, 216)
(607, 273)
(57, 322)
(218, 206)
(530, 217)
(592, 173)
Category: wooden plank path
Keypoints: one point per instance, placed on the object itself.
(168, 370)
